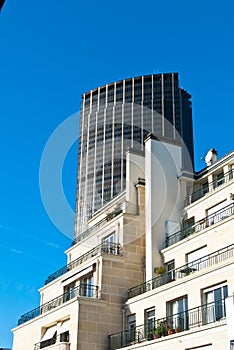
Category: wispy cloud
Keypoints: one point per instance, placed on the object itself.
(7, 228)
(54, 245)
(17, 251)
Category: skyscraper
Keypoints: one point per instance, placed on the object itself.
(119, 116)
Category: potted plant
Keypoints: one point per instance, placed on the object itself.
(150, 334)
(159, 331)
(178, 329)
(160, 270)
(169, 330)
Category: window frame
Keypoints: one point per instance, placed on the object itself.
(176, 321)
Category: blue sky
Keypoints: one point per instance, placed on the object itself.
(54, 50)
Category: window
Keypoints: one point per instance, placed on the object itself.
(197, 259)
(188, 226)
(149, 322)
(64, 337)
(199, 193)
(110, 238)
(189, 222)
(205, 188)
(231, 176)
(69, 291)
(132, 328)
(86, 285)
(177, 313)
(108, 244)
(219, 179)
(216, 213)
(170, 266)
(213, 299)
(49, 337)
(64, 331)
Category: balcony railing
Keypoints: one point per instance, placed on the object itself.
(105, 247)
(185, 270)
(98, 225)
(62, 340)
(202, 191)
(83, 290)
(183, 321)
(201, 224)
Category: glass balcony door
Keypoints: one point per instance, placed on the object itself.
(215, 307)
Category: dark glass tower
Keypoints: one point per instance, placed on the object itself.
(118, 116)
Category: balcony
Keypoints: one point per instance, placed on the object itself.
(104, 248)
(83, 290)
(185, 270)
(211, 187)
(201, 224)
(98, 225)
(60, 342)
(180, 322)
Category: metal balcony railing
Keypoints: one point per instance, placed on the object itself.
(202, 191)
(83, 290)
(57, 339)
(98, 225)
(183, 321)
(105, 247)
(185, 270)
(201, 224)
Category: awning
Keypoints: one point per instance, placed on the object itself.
(49, 333)
(65, 327)
(78, 275)
(85, 272)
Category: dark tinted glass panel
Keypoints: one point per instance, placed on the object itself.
(128, 91)
(119, 92)
(87, 102)
(137, 90)
(94, 98)
(102, 96)
(110, 93)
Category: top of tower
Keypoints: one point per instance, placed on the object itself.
(159, 75)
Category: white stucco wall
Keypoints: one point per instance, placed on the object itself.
(164, 201)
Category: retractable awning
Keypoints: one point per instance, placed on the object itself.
(65, 326)
(49, 333)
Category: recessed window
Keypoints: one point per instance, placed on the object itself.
(86, 286)
(197, 259)
(189, 222)
(49, 337)
(149, 322)
(177, 312)
(216, 213)
(219, 180)
(109, 244)
(170, 269)
(64, 331)
(110, 238)
(69, 291)
(132, 327)
(213, 300)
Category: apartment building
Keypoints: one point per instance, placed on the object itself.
(189, 303)
(152, 268)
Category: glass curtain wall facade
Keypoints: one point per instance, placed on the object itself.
(119, 116)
